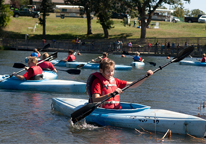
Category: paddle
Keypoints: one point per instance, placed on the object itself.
(87, 109)
(52, 56)
(45, 47)
(72, 71)
(81, 65)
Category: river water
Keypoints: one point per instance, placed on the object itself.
(26, 117)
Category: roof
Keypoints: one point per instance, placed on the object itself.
(54, 1)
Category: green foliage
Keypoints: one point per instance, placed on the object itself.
(196, 12)
(5, 14)
(179, 12)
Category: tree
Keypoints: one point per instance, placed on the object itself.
(196, 12)
(87, 4)
(5, 14)
(147, 6)
(45, 7)
(187, 12)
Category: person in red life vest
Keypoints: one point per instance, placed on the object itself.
(33, 71)
(35, 53)
(70, 57)
(104, 56)
(203, 58)
(101, 84)
(137, 57)
(46, 65)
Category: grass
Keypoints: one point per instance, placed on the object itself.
(69, 28)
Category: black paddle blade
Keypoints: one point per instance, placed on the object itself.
(183, 53)
(74, 71)
(45, 47)
(152, 63)
(19, 65)
(53, 56)
(83, 112)
(80, 66)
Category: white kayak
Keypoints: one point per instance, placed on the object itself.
(45, 85)
(133, 115)
(137, 64)
(87, 65)
(186, 62)
(49, 75)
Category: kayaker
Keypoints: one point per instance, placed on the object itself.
(104, 56)
(46, 65)
(35, 53)
(70, 57)
(101, 84)
(203, 58)
(34, 72)
(137, 57)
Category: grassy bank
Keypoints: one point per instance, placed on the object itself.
(68, 28)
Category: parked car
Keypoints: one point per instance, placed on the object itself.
(192, 19)
(119, 15)
(26, 12)
(202, 19)
(175, 19)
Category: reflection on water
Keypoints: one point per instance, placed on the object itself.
(26, 117)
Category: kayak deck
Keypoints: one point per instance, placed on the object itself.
(137, 116)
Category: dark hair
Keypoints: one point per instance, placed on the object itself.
(71, 51)
(106, 63)
(105, 54)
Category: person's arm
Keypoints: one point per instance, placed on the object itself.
(19, 76)
(149, 72)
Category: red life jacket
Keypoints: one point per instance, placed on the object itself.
(36, 70)
(71, 58)
(107, 87)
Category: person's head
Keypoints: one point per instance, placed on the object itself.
(203, 55)
(137, 53)
(32, 61)
(104, 54)
(70, 52)
(45, 55)
(35, 50)
(106, 68)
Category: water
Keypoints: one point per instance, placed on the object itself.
(26, 117)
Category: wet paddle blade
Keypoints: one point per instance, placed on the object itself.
(82, 112)
(152, 63)
(53, 56)
(74, 71)
(183, 53)
(80, 66)
(19, 65)
(45, 47)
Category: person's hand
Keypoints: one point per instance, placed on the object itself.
(99, 57)
(26, 68)
(149, 73)
(118, 91)
(14, 73)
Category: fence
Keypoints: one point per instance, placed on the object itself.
(112, 45)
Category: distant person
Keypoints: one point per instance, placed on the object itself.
(46, 65)
(203, 58)
(137, 57)
(35, 53)
(70, 57)
(185, 44)
(34, 72)
(149, 46)
(129, 44)
(104, 56)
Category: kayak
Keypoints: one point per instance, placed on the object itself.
(45, 85)
(87, 65)
(185, 62)
(49, 75)
(26, 59)
(137, 64)
(134, 115)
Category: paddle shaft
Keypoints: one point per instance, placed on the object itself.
(24, 68)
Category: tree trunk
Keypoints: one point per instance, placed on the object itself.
(106, 33)
(89, 29)
(143, 27)
(31, 2)
(44, 24)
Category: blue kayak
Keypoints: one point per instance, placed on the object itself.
(193, 63)
(45, 85)
(135, 116)
(87, 65)
(49, 75)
